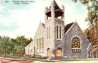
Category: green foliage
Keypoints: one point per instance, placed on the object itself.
(10, 46)
(92, 10)
(91, 16)
(84, 1)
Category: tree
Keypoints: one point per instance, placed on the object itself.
(92, 8)
(92, 14)
(21, 40)
(20, 43)
(10, 46)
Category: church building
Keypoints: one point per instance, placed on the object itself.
(53, 34)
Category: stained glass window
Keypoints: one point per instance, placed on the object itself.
(75, 42)
(76, 45)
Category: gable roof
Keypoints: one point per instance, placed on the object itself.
(28, 46)
(41, 25)
(67, 27)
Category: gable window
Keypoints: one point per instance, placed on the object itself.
(76, 45)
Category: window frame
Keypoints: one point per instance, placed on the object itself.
(76, 49)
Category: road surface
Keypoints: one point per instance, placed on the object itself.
(11, 60)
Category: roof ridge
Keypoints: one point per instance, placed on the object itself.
(67, 27)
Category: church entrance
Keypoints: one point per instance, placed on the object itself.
(58, 53)
(49, 53)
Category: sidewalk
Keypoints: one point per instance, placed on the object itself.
(11, 60)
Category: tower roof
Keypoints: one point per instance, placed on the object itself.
(55, 5)
(58, 11)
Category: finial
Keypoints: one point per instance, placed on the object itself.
(53, 0)
(63, 7)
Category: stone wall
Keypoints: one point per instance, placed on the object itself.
(75, 31)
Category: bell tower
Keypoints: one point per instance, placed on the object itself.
(54, 25)
(54, 11)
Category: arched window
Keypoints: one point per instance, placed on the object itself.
(57, 32)
(75, 45)
(60, 32)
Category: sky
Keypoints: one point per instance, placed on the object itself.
(22, 17)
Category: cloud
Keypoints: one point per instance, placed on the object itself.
(12, 22)
(7, 6)
(75, 12)
(7, 23)
(24, 20)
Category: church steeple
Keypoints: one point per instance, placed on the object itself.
(54, 24)
(55, 9)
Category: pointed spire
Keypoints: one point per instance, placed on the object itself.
(55, 9)
(55, 5)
